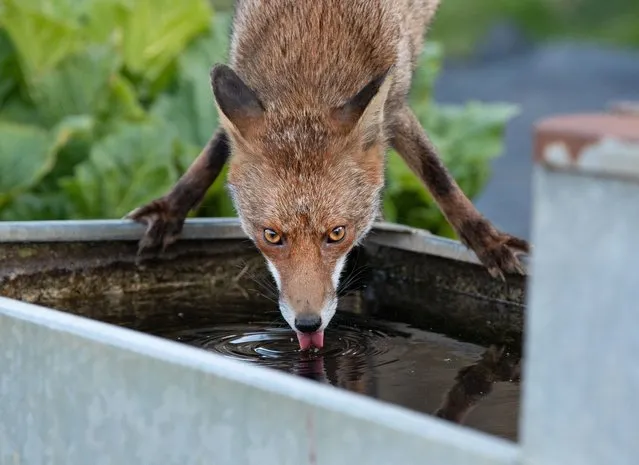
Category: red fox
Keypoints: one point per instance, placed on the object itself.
(314, 94)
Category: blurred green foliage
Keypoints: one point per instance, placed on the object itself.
(104, 103)
(459, 24)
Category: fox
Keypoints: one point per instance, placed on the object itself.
(313, 95)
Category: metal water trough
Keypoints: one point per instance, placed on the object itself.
(79, 389)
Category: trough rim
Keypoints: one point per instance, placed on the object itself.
(224, 228)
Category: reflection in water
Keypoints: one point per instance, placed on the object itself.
(350, 351)
(312, 368)
(349, 360)
(475, 382)
(388, 361)
(391, 361)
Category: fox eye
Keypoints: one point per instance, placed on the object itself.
(336, 234)
(272, 237)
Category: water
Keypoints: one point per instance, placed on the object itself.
(277, 347)
(388, 360)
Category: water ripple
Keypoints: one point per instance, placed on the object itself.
(277, 347)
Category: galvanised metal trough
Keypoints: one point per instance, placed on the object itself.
(80, 386)
(85, 388)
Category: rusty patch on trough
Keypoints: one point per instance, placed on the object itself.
(576, 132)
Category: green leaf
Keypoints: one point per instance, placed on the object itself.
(36, 207)
(28, 154)
(9, 72)
(191, 109)
(42, 36)
(131, 167)
(209, 48)
(18, 111)
(122, 101)
(191, 119)
(468, 138)
(104, 19)
(217, 201)
(25, 157)
(59, 9)
(389, 209)
(80, 84)
(71, 154)
(157, 31)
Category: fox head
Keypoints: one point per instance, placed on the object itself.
(306, 184)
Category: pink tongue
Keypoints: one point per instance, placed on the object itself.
(312, 339)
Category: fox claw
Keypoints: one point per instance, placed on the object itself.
(498, 252)
(502, 255)
(164, 224)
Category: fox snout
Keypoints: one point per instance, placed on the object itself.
(309, 315)
(308, 297)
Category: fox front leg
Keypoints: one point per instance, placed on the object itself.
(498, 251)
(164, 217)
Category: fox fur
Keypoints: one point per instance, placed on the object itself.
(314, 93)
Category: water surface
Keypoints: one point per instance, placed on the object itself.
(388, 360)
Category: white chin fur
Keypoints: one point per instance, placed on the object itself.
(287, 313)
(337, 271)
(275, 273)
(328, 312)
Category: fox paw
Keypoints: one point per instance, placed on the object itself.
(164, 224)
(499, 252)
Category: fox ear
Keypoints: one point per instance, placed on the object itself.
(238, 104)
(365, 110)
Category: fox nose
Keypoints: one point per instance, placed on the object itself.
(308, 323)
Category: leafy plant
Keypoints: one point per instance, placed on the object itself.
(104, 103)
(467, 138)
